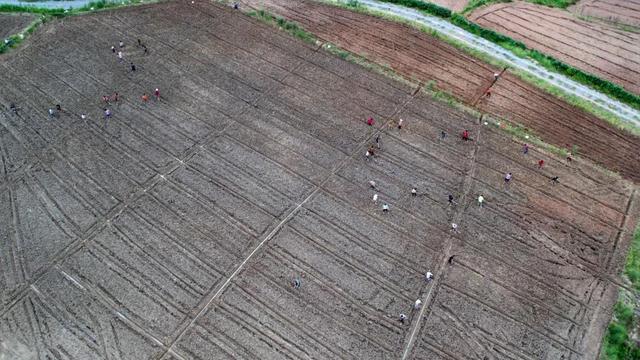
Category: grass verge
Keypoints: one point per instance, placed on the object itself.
(620, 341)
(520, 49)
(580, 103)
(288, 26)
(15, 40)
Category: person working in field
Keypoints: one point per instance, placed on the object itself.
(465, 135)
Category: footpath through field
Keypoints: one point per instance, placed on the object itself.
(531, 67)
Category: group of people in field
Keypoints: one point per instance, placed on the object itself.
(107, 100)
(465, 136)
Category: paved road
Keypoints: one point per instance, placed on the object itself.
(569, 86)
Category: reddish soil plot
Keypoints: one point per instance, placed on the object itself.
(625, 12)
(595, 48)
(455, 5)
(175, 229)
(422, 58)
(11, 24)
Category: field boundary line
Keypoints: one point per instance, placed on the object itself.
(440, 271)
(289, 216)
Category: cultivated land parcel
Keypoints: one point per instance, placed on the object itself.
(174, 229)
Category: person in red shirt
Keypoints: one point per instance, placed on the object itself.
(540, 164)
(370, 121)
(465, 135)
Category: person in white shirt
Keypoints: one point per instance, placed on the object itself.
(428, 276)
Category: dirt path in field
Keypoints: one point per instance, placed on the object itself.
(174, 230)
(602, 50)
(415, 55)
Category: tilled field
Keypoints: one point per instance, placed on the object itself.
(422, 58)
(602, 50)
(13, 23)
(626, 12)
(176, 228)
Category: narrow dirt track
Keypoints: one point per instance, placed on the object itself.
(418, 56)
(174, 230)
(626, 12)
(595, 48)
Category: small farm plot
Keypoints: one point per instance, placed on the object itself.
(624, 12)
(232, 216)
(596, 48)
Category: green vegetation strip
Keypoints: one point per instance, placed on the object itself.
(48, 14)
(620, 340)
(574, 100)
(290, 27)
(520, 49)
(474, 4)
(15, 40)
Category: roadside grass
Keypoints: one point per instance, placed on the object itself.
(620, 341)
(521, 50)
(488, 58)
(576, 101)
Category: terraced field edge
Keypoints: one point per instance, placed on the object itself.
(517, 131)
(521, 50)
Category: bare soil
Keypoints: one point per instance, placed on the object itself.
(11, 24)
(455, 5)
(421, 58)
(626, 12)
(599, 49)
(175, 229)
